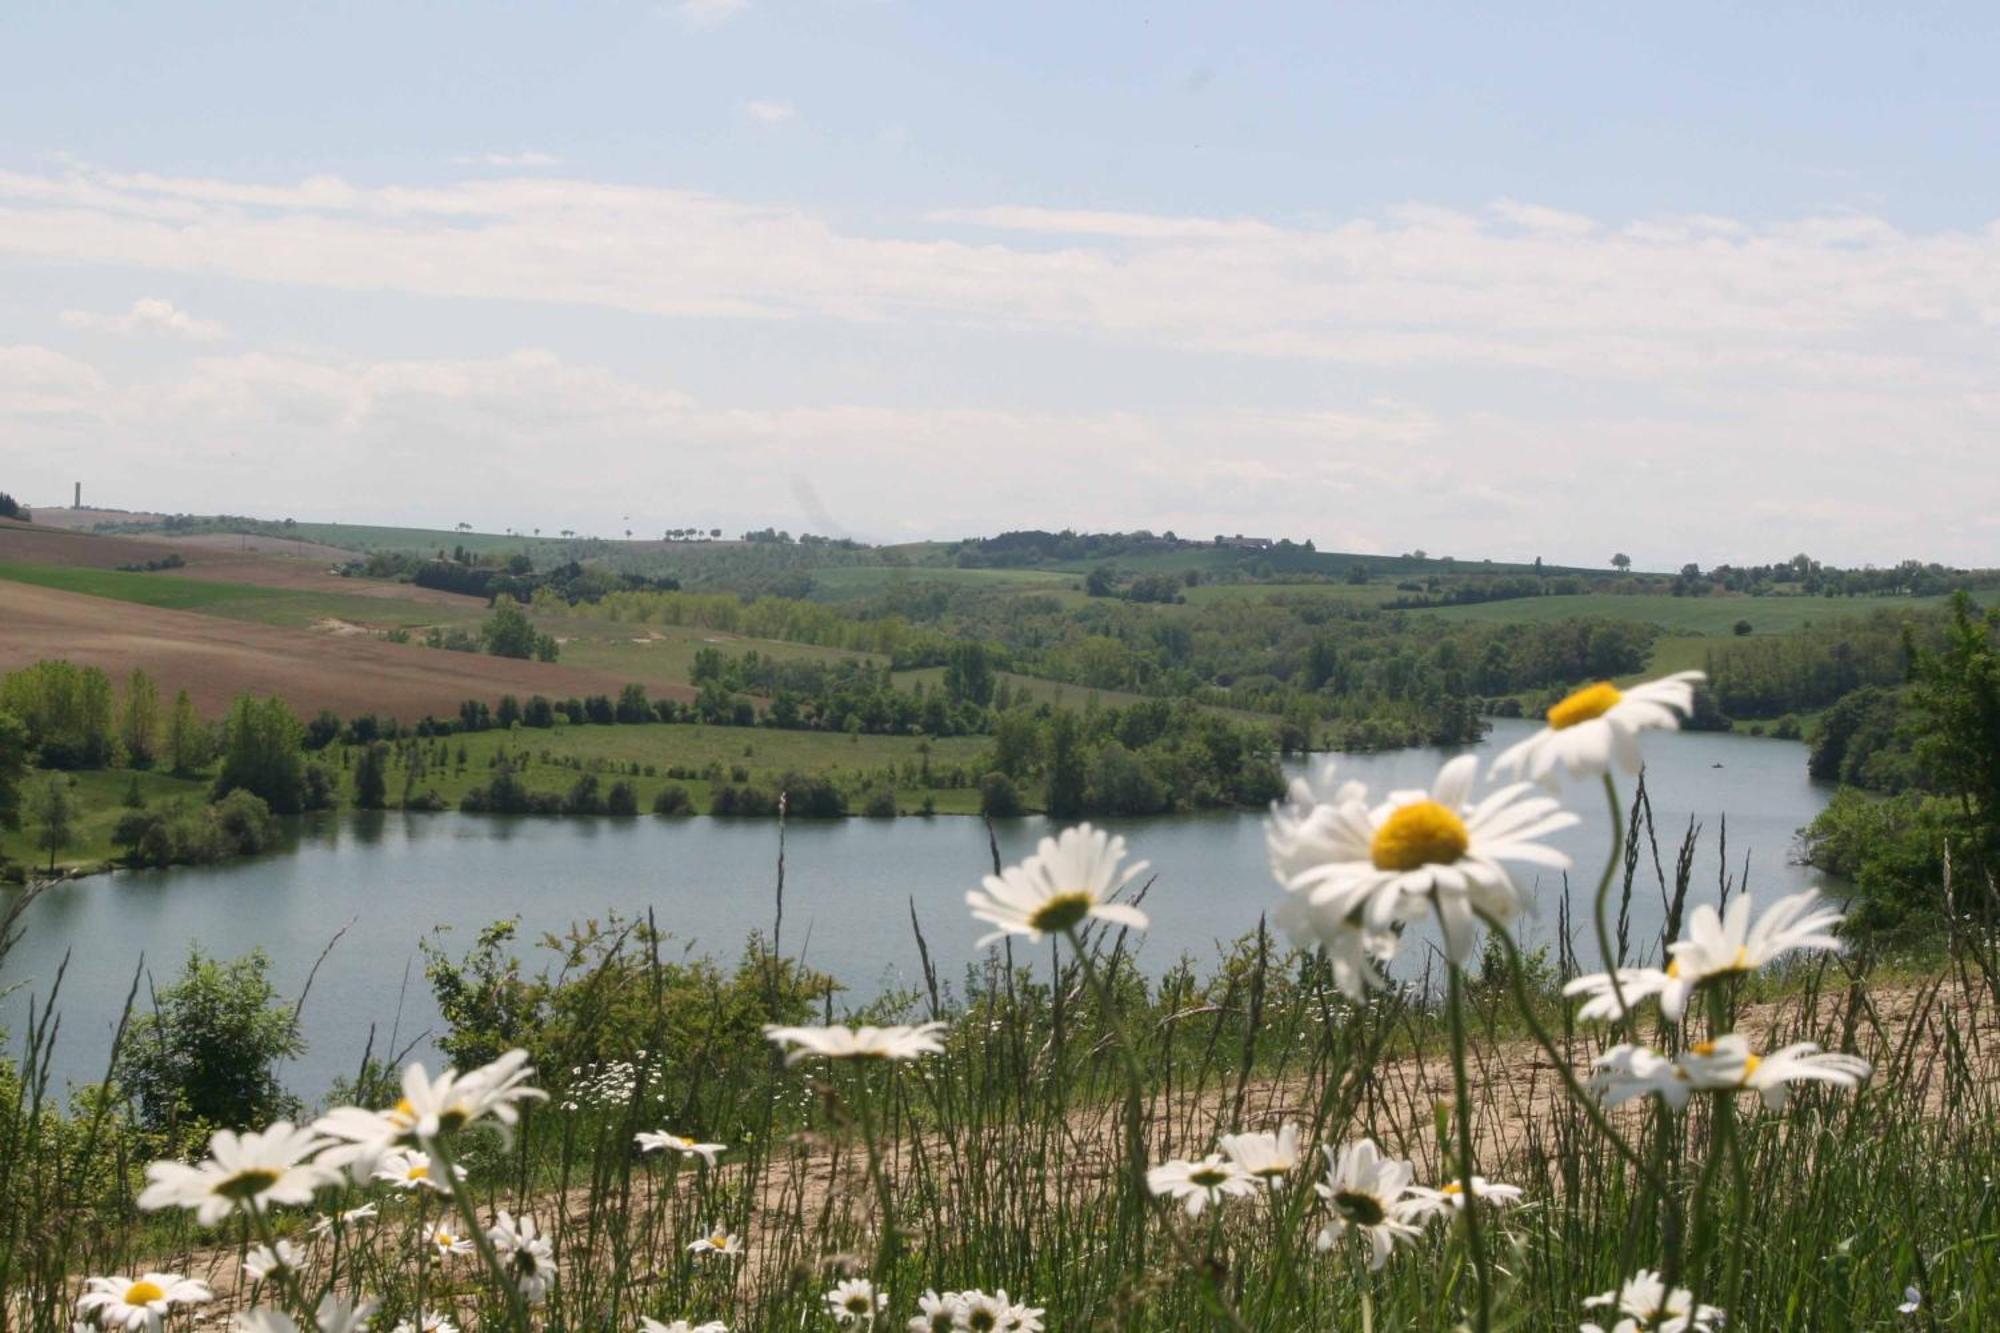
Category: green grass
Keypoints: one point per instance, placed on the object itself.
(100, 794)
(295, 608)
(664, 654)
(841, 582)
(1682, 615)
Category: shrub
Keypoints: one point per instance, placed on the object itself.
(880, 804)
(672, 799)
(206, 1055)
(621, 800)
(999, 797)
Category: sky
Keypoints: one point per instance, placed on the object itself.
(1706, 282)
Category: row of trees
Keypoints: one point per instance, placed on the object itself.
(74, 719)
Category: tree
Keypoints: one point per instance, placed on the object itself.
(13, 768)
(14, 509)
(371, 777)
(68, 712)
(1068, 777)
(508, 632)
(968, 675)
(263, 753)
(53, 811)
(187, 739)
(139, 727)
(1621, 562)
(207, 1056)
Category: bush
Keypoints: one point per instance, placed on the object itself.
(880, 804)
(206, 1055)
(621, 800)
(673, 799)
(240, 824)
(999, 797)
(731, 801)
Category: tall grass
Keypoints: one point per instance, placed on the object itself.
(1014, 1158)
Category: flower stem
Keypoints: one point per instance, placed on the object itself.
(1603, 900)
(517, 1308)
(1462, 1090)
(288, 1279)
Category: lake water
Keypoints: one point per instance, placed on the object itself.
(849, 886)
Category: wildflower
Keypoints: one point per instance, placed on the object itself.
(938, 1313)
(1627, 1071)
(429, 1109)
(868, 1043)
(1598, 726)
(1649, 1305)
(655, 1142)
(263, 1262)
(1069, 878)
(718, 1241)
(1268, 1157)
(428, 1321)
(681, 1326)
(1356, 954)
(449, 1242)
(1423, 850)
(252, 1169)
(1634, 984)
(346, 1219)
(1198, 1184)
(981, 1313)
(1913, 1301)
(1727, 1064)
(1022, 1317)
(1451, 1196)
(138, 1302)
(855, 1301)
(526, 1254)
(1719, 944)
(410, 1171)
(1368, 1194)
(334, 1315)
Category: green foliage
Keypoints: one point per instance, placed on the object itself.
(263, 753)
(14, 747)
(999, 797)
(1955, 694)
(509, 633)
(52, 810)
(880, 803)
(672, 799)
(185, 833)
(139, 722)
(188, 743)
(206, 1057)
(371, 776)
(67, 710)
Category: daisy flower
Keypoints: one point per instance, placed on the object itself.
(855, 1301)
(346, 1219)
(718, 1241)
(409, 1171)
(1647, 1304)
(1720, 944)
(1304, 831)
(258, 1169)
(1356, 954)
(334, 1315)
(1070, 877)
(838, 1043)
(1022, 1318)
(448, 1242)
(138, 1302)
(937, 1313)
(1634, 985)
(1270, 1158)
(429, 1321)
(526, 1254)
(1368, 1194)
(1727, 1064)
(263, 1263)
(1450, 1197)
(681, 1326)
(1598, 726)
(656, 1142)
(429, 1109)
(1627, 1071)
(1198, 1184)
(1420, 851)
(981, 1313)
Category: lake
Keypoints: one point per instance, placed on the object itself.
(849, 885)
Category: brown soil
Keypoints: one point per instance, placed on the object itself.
(215, 660)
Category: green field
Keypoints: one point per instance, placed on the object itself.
(100, 793)
(664, 654)
(1683, 615)
(839, 582)
(237, 601)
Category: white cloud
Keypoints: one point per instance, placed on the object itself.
(526, 159)
(769, 112)
(149, 314)
(711, 13)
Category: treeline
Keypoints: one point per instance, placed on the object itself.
(506, 633)
(494, 576)
(790, 619)
(1152, 757)
(1814, 666)
(850, 695)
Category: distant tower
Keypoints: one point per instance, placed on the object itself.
(78, 502)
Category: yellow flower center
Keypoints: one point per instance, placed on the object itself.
(981, 1320)
(446, 1240)
(142, 1291)
(1587, 704)
(1361, 1209)
(1750, 1063)
(419, 1173)
(1674, 969)
(1061, 911)
(1419, 834)
(718, 1242)
(248, 1183)
(404, 1109)
(1208, 1177)
(1452, 1187)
